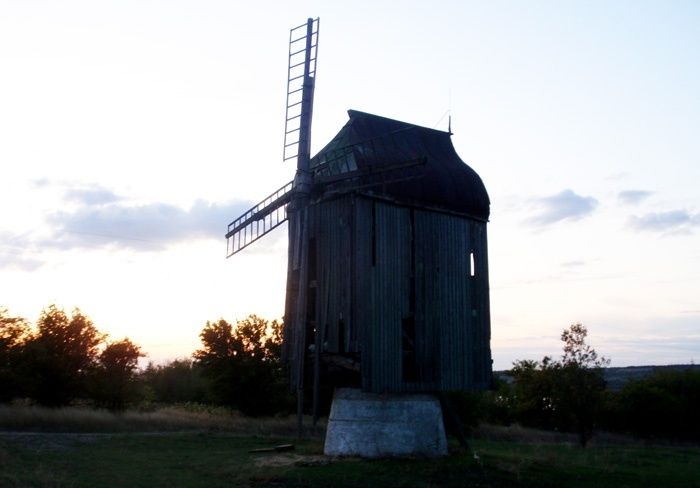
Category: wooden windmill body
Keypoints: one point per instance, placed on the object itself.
(387, 280)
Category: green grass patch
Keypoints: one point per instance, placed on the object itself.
(195, 446)
(205, 459)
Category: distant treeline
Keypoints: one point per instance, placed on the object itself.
(64, 359)
(617, 377)
(572, 395)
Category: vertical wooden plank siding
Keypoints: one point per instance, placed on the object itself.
(363, 290)
(364, 266)
(444, 314)
(390, 298)
(334, 245)
(482, 329)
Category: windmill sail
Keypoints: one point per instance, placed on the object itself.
(272, 211)
(303, 45)
(258, 221)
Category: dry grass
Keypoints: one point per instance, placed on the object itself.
(166, 419)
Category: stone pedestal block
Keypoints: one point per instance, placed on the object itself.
(388, 425)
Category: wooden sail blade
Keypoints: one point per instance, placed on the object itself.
(258, 221)
(301, 73)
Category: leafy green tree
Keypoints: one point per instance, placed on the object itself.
(565, 394)
(14, 333)
(243, 364)
(114, 376)
(60, 355)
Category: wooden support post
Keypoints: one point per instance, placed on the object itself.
(300, 311)
(450, 414)
(317, 373)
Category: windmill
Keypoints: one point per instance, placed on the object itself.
(387, 278)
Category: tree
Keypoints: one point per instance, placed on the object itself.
(581, 383)
(577, 352)
(565, 394)
(243, 364)
(114, 375)
(14, 333)
(60, 355)
(178, 381)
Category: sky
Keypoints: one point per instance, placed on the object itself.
(133, 132)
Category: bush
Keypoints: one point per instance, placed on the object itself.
(499, 403)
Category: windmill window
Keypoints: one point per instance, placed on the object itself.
(472, 264)
(351, 163)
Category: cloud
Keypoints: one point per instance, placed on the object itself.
(14, 250)
(632, 197)
(617, 176)
(573, 264)
(676, 221)
(143, 227)
(80, 193)
(92, 196)
(565, 205)
(41, 182)
(17, 261)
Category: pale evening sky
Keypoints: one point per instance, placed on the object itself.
(132, 132)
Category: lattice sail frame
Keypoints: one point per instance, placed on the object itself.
(301, 43)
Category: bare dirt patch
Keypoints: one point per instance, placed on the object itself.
(277, 460)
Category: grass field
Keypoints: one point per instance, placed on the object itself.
(221, 457)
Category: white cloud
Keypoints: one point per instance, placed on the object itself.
(143, 227)
(92, 196)
(13, 252)
(670, 221)
(565, 205)
(632, 197)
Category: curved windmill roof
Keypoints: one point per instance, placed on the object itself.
(434, 174)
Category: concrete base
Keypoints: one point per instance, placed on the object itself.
(372, 425)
